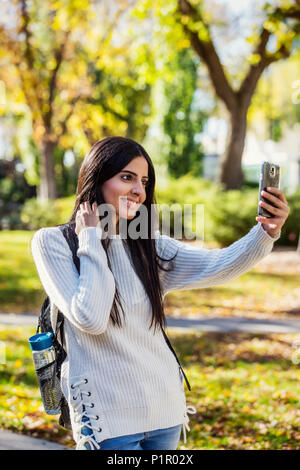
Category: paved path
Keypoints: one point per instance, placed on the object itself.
(18, 319)
(12, 441)
(201, 323)
(223, 324)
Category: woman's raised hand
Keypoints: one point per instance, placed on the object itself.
(273, 225)
(87, 216)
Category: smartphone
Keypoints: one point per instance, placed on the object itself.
(269, 176)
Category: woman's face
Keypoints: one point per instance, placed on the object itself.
(127, 186)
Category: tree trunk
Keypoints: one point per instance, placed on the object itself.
(230, 169)
(47, 188)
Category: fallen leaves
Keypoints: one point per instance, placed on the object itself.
(249, 400)
(270, 290)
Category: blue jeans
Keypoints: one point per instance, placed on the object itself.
(159, 439)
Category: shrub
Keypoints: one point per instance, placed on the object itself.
(231, 215)
(291, 228)
(186, 190)
(228, 215)
(64, 208)
(36, 214)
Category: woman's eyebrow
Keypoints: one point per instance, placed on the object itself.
(132, 172)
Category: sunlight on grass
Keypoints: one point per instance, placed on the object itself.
(245, 388)
(20, 287)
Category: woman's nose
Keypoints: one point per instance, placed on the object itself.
(138, 188)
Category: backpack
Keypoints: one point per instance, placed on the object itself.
(44, 325)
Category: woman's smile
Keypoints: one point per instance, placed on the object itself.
(126, 191)
(129, 203)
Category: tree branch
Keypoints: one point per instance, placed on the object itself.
(28, 56)
(69, 114)
(59, 56)
(106, 108)
(249, 83)
(207, 52)
(288, 12)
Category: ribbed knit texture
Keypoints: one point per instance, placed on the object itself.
(133, 379)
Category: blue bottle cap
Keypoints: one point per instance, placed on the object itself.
(41, 341)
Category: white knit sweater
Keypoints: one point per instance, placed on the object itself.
(127, 378)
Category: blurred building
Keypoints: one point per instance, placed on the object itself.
(285, 153)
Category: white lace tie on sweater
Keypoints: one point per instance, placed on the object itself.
(192, 410)
(78, 395)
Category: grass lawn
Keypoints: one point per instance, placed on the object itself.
(245, 388)
(255, 293)
(20, 286)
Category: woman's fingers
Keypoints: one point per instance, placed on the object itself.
(272, 209)
(273, 224)
(278, 192)
(85, 206)
(279, 202)
(282, 209)
(90, 209)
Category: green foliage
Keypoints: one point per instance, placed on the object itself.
(291, 228)
(35, 214)
(228, 215)
(88, 87)
(182, 122)
(64, 207)
(275, 106)
(186, 190)
(232, 214)
(14, 191)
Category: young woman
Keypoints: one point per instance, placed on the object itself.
(123, 384)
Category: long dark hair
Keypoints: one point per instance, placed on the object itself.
(105, 159)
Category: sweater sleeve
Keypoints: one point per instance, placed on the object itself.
(195, 268)
(84, 299)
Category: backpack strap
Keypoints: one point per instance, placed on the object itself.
(169, 344)
(45, 306)
(68, 231)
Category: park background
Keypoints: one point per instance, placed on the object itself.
(211, 89)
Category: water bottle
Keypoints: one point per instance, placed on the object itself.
(43, 354)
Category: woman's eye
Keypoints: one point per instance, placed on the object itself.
(145, 183)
